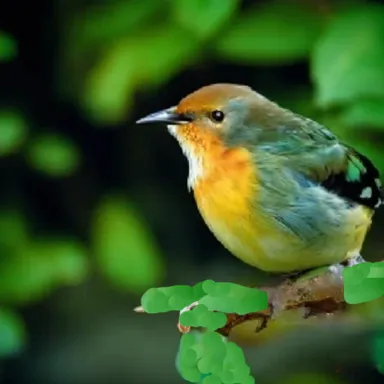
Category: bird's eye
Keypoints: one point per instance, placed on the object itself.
(217, 116)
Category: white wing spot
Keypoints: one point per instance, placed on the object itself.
(366, 193)
(378, 183)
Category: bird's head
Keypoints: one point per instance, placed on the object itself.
(214, 119)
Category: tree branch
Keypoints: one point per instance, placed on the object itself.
(322, 294)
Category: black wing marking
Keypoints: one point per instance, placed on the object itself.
(359, 182)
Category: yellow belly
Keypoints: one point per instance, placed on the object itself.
(224, 201)
(247, 237)
(223, 198)
(259, 243)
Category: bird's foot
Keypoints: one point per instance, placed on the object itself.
(351, 261)
(182, 328)
(293, 276)
(354, 260)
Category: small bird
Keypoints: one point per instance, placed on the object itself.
(278, 190)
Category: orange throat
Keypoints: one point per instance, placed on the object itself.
(223, 182)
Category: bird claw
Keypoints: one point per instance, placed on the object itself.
(189, 307)
(180, 327)
(354, 260)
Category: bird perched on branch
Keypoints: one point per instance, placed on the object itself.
(278, 190)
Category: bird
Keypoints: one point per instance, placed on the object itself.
(279, 191)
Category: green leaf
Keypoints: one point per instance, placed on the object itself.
(84, 42)
(8, 48)
(233, 298)
(68, 260)
(365, 113)
(348, 60)
(109, 86)
(13, 131)
(118, 18)
(133, 63)
(41, 267)
(203, 17)
(54, 155)
(275, 32)
(360, 285)
(125, 249)
(12, 333)
(210, 358)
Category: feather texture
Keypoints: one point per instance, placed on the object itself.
(313, 151)
(278, 190)
(358, 182)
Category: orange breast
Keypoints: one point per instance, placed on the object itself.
(229, 185)
(226, 199)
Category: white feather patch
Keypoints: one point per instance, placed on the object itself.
(195, 161)
(366, 193)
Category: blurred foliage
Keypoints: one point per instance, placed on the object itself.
(125, 250)
(54, 155)
(128, 64)
(347, 59)
(12, 333)
(104, 56)
(13, 130)
(38, 267)
(276, 32)
(8, 49)
(341, 40)
(205, 17)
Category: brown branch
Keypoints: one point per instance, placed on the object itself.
(308, 297)
(315, 296)
(295, 326)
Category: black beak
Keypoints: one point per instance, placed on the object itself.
(167, 116)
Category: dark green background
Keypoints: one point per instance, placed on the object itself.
(94, 210)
